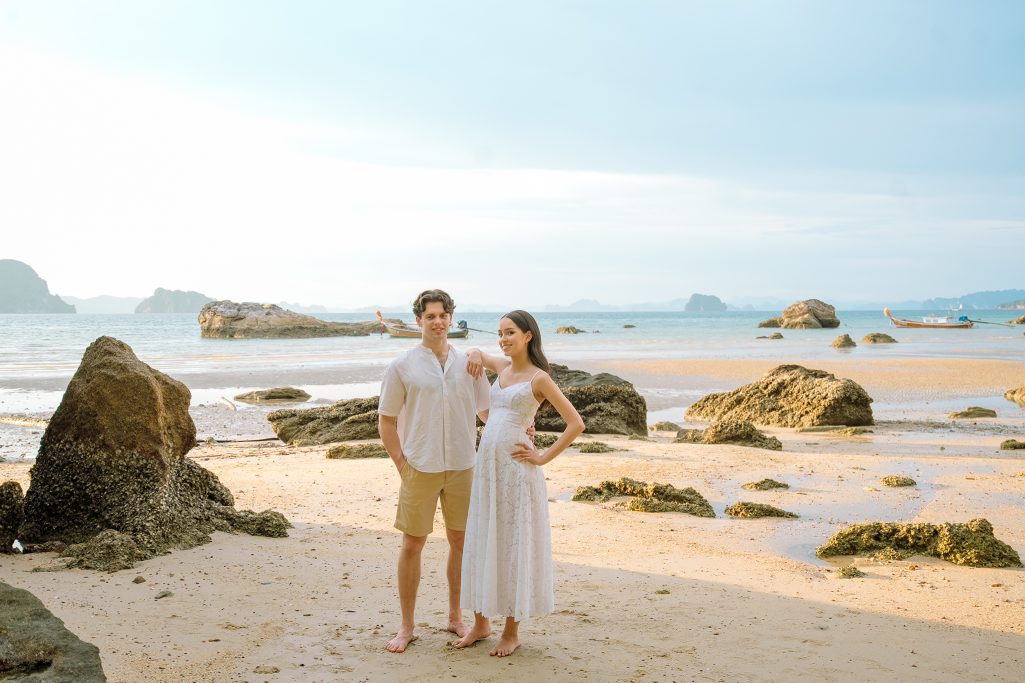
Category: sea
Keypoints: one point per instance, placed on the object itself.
(40, 353)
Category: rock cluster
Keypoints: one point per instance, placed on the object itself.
(810, 314)
(231, 320)
(972, 544)
(36, 646)
(790, 396)
(113, 457)
(745, 510)
(730, 431)
(347, 420)
(648, 497)
(765, 485)
(607, 404)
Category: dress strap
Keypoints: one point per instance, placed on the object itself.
(531, 380)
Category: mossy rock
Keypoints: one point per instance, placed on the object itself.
(685, 500)
(346, 420)
(973, 412)
(746, 510)
(628, 326)
(1012, 445)
(732, 432)
(355, 451)
(773, 336)
(891, 555)
(544, 440)
(275, 395)
(971, 544)
(12, 514)
(849, 572)
(878, 338)
(595, 447)
(844, 341)
(765, 485)
(897, 480)
(569, 329)
(853, 431)
(665, 426)
(771, 322)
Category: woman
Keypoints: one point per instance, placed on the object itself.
(507, 556)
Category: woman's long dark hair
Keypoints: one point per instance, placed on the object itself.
(526, 323)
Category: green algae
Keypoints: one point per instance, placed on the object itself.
(971, 544)
(765, 485)
(746, 510)
(897, 480)
(652, 497)
(354, 451)
(595, 447)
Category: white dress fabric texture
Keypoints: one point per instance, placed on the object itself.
(507, 554)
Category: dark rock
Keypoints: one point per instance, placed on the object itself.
(774, 335)
(12, 513)
(113, 460)
(173, 301)
(607, 404)
(628, 326)
(790, 396)
(844, 341)
(973, 412)
(275, 395)
(231, 320)
(730, 431)
(349, 420)
(108, 551)
(23, 291)
(745, 510)
(972, 544)
(36, 646)
(878, 338)
(704, 303)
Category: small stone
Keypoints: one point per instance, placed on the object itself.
(850, 572)
(139, 579)
(266, 669)
(162, 594)
(897, 480)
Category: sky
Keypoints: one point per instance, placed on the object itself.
(354, 153)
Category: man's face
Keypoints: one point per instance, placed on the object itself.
(435, 321)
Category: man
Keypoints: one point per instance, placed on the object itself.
(426, 421)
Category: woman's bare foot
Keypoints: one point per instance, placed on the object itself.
(401, 640)
(480, 631)
(458, 627)
(506, 646)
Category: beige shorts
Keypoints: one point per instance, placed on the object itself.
(418, 500)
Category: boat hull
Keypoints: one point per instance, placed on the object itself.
(904, 322)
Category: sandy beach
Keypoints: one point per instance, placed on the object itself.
(639, 597)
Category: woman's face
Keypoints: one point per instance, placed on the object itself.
(511, 339)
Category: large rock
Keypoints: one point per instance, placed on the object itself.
(35, 646)
(810, 314)
(113, 457)
(23, 291)
(790, 396)
(231, 320)
(704, 303)
(347, 420)
(607, 404)
(173, 301)
(1016, 395)
(12, 514)
(844, 341)
(275, 395)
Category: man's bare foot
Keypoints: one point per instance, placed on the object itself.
(458, 627)
(478, 632)
(506, 646)
(401, 640)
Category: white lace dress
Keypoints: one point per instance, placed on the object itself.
(507, 556)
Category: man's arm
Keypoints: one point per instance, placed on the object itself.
(388, 427)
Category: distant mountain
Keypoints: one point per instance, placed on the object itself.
(173, 301)
(23, 291)
(987, 300)
(104, 303)
(704, 303)
(299, 308)
(709, 302)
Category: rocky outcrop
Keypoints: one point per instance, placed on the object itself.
(972, 412)
(844, 341)
(790, 396)
(231, 320)
(348, 420)
(878, 338)
(36, 646)
(23, 291)
(113, 457)
(771, 322)
(1016, 396)
(730, 431)
(972, 544)
(607, 404)
(275, 395)
(810, 314)
(704, 303)
(569, 329)
(1017, 321)
(173, 301)
(12, 513)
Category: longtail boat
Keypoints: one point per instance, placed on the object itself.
(407, 331)
(939, 322)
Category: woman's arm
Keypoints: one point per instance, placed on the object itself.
(477, 360)
(546, 387)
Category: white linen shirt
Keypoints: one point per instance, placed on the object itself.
(436, 408)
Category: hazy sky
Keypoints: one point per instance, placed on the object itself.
(514, 152)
